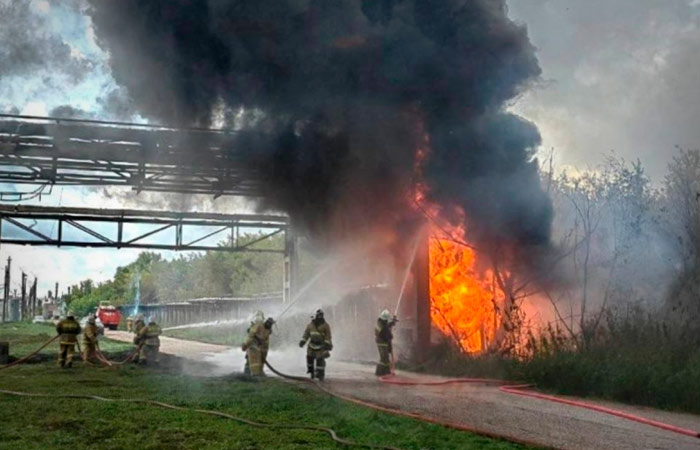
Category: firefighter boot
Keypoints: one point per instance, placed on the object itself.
(310, 366)
(320, 369)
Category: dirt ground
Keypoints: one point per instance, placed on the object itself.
(480, 407)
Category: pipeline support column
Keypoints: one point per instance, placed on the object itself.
(291, 264)
(421, 274)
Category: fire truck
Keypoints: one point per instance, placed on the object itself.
(109, 315)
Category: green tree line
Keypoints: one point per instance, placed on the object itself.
(194, 275)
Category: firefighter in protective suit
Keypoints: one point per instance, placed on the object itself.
(68, 329)
(149, 341)
(90, 334)
(318, 334)
(246, 368)
(257, 344)
(138, 325)
(384, 337)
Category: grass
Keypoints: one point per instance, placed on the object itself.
(35, 423)
(25, 337)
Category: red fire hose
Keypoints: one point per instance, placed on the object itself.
(20, 361)
(520, 389)
(401, 413)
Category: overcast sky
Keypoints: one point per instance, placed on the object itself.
(618, 75)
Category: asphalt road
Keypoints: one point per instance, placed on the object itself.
(479, 407)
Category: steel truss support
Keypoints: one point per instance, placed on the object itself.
(48, 226)
(52, 151)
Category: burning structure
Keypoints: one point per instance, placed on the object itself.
(362, 117)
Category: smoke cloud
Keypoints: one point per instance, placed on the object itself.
(338, 97)
(28, 47)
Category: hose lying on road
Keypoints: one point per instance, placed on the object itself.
(280, 426)
(401, 413)
(522, 390)
(21, 360)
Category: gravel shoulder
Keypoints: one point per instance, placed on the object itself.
(479, 407)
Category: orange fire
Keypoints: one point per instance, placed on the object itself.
(463, 301)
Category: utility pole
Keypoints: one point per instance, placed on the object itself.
(32, 295)
(55, 293)
(24, 297)
(6, 296)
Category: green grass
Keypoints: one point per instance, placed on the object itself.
(34, 423)
(25, 337)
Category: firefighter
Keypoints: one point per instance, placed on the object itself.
(130, 324)
(246, 367)
(68, 329)
(318, 333)
(90, 334)
(137, 327)
(257, 344)
(138, 324)
(384, 337)
(149, 342)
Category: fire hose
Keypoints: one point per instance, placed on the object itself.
(522, 390)
(514, 389)
(280, 426)
(401, 413)
(285, 426)
(21, 360)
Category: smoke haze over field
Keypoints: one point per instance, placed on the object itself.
(339, 96)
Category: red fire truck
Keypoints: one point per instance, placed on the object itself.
(109, 315)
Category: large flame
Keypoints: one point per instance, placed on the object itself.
(463, 300)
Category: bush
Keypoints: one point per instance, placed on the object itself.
(630, 358)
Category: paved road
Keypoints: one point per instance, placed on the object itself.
(477, 406)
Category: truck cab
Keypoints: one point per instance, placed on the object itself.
(109, 315)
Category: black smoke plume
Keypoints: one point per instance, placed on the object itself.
(341, 94)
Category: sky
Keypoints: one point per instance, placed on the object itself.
(619, 76)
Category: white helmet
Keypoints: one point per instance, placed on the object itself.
(385, 315)
(259, 317)
(139, 317)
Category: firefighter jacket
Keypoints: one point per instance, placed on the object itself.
(90, 334)
(138, 326)
(258, 337)
(382, 333)
(318, 335)
(68, 329)
(149, 335)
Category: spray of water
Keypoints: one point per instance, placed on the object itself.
(407, 271)
(213, 323)
(305, 288)
(135, 285)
